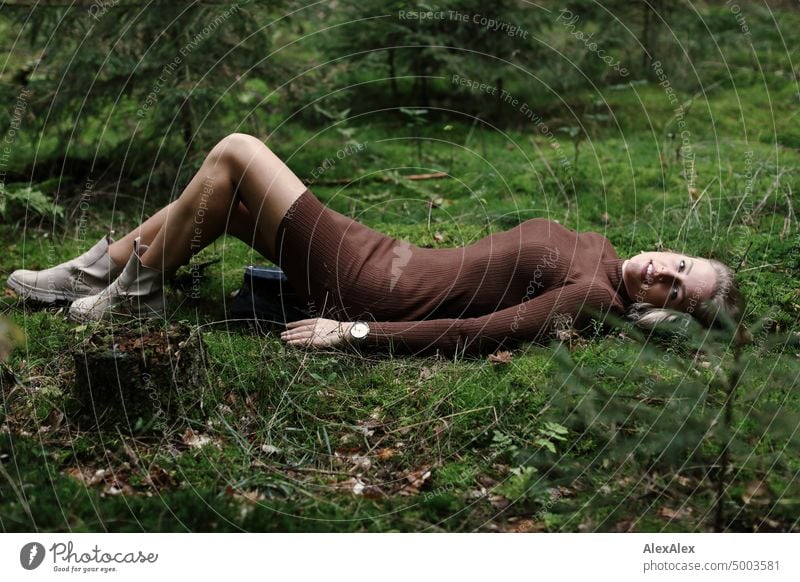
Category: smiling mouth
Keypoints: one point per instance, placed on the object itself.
(647, 273)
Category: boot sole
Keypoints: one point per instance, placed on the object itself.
(41, 295)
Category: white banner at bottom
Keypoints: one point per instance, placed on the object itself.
(400, 557)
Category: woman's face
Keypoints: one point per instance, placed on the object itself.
(670, 280)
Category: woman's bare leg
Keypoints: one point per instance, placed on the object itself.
(121, 250)
(240, 225)
(240, 168)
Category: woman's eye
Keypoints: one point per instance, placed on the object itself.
(682, 266)
(674, 293)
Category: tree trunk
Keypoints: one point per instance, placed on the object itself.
(393, 76)
(646, 55)
(500, 102)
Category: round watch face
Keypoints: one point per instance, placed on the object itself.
(359, 330)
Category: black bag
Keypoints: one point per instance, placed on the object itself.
(266, 294)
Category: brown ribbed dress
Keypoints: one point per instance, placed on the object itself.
(508, 287)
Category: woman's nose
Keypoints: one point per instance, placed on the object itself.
(664, 272)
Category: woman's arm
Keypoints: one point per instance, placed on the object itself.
(527, 321)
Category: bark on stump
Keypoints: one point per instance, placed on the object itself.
(147, 374)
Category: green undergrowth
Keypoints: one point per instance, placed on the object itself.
(288, 440)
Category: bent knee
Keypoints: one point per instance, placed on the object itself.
(242, 140)
(237, 148)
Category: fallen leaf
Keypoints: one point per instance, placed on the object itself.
(424, 374)
(98, 476)
(499, 502)
(476, 493)
(247, 499)
(130, 453)
(385, 453)
(270, 449)
(159, 478)
(756, 492)
(352, 457)
(352, 485)
(418, 477)
(194, 439)
(526, 526)
(502, 357)
(117, 487)
(415, 481)
(670, 513)
(373, 492)
(559, 492)
(251, 496)
(624, 526)
(440, 428)
(75, 473)
(370, 425)
(770, 523)
(486, 480)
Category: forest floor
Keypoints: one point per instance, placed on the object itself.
(602, 433)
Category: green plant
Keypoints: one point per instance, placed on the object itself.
(550, 432)
(678, 409)
(17, 201)
(417, 117)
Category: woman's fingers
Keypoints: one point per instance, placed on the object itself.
(304, 335)
(300, 322)
(317, 332)
(308, 339)
(296, 331)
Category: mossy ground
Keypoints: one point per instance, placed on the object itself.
(283, 439)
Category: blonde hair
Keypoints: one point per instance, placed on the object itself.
(725, 297)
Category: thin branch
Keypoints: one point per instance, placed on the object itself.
(775, 183)
(415, 177)
(744, 197)
(787, 221)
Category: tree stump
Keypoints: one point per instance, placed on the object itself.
(144, 376)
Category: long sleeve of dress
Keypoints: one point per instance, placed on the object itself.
(528, 321)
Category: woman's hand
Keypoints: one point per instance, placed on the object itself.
(317, 332)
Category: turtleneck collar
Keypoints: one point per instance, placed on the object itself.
(613, 270)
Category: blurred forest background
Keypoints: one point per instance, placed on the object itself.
(128, 93)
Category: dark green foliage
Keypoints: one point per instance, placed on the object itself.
(139, 88)
(667, 415)
(409, 51)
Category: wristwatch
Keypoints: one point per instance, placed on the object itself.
(359, 330)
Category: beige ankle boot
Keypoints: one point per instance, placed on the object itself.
(137, 292)
(85, 275)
